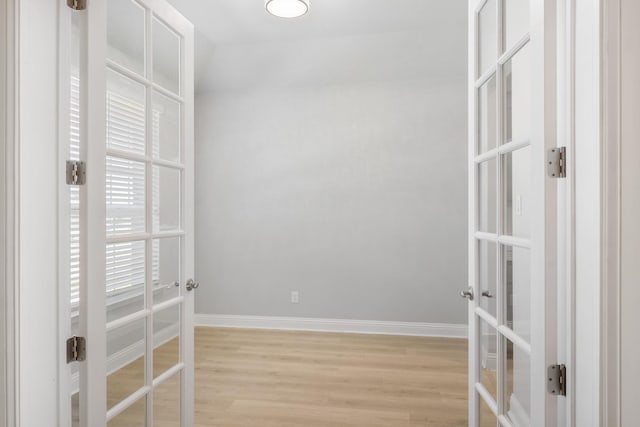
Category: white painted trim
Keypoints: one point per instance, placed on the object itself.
(588, 135)
(8, 320)
(333, 325)
(611, 214)
(566, 207)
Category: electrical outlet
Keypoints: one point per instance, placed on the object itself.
(295, 297)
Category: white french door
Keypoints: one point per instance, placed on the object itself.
(512, 241)
(127, 91)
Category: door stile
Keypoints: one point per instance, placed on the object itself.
(544, 215)
(64, 240)
(501, 287)
(187, 349)
(93, 217)
(148, 280)
(474, 327)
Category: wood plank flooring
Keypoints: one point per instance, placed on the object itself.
(256, 378)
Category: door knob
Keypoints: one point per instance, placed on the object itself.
(192, 284)
(487, 294)
(468, 294)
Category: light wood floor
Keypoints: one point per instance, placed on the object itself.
(250, 378)
(257, 378)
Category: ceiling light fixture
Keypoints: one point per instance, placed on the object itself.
(287, 8)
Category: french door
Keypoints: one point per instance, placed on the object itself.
(127, 103)
(512, 241)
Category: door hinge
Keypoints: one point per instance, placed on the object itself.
(557, 380)
(77, 4)
(557, 162)
(76, 172)
(76, 349)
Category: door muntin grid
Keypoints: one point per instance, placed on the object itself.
(501, 237)
(146, 198)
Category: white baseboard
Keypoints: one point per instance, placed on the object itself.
(333, 325)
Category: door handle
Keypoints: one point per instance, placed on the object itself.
(487, 294)
(468, 294)
(192, 284)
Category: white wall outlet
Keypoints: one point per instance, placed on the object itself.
(295, 297)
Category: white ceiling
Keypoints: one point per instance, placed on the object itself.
(410, 38)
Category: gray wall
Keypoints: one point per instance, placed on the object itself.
(353, 193)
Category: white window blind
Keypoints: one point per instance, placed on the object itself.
(125, 198)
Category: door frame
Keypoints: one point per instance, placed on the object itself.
(32, 212)
(7, 206)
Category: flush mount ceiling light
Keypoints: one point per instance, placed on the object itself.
(287, 8)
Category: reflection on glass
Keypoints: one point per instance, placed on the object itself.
(125, 361)
(518, 281)
(134, 416)
(487, 36)
(166, 128)
(517, 183)
(166, 57)
(125, 113)
(125, 273)
(487, 417)
(166, 199)
(517, 395)
(487, 252)
(166, 337)
(487, 196)
(516, 21)
(125, 34)
(75, 410)
(488, 358)
(125, 196)
(487, 136)
(166, 403)
(518, 97)
(166, 269)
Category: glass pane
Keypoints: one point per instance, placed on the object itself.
(125, 196)
(518, 97)
(125, 361)
(125, 114)
(517, 182)
(166, 199)
(516, 21)
(487, 417)
(166, 57)
(166, 128)
(166, 403)
(75, 410)
(487, 36)
(487, 196)
(518, 278)
(166, 336)
(487, 136)
(125, 278)
(487, 252)
(125, 34)
(166, 269)
(488, 358)
(134, 416)
(517, 394)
